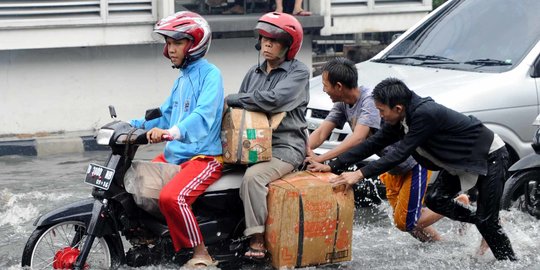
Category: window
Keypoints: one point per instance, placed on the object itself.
(498, 32)
(49, 12)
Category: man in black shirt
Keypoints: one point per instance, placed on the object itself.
(464, 150)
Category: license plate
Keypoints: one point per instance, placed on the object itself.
(99, 176)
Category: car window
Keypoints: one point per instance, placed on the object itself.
(476, 35)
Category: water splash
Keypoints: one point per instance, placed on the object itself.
(18, 214)
(16, 209)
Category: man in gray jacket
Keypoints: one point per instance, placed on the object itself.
(279, 84)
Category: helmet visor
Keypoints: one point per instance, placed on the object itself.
(173, 34)
(271, 31)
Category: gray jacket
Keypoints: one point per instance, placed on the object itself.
(284, 89)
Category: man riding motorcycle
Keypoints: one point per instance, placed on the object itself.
(192, 117)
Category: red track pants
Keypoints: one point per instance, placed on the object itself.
(176, 197)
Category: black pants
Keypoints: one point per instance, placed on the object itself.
(443, 190)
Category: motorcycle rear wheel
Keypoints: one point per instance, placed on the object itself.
(518, 193)
(44, 243)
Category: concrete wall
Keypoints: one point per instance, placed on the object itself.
(69, 89)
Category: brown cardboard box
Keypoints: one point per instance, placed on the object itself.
(309, 222)
(246, 137)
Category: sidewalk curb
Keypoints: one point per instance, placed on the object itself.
(50, 146)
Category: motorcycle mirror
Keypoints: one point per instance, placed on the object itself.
(112, 111)
(152, 114)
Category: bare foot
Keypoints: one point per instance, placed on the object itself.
(463, 226)
(201, 252)
(463, 198)
(482, 248)
(427, 234)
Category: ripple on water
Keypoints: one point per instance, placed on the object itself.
(378, 245)
(16, 209)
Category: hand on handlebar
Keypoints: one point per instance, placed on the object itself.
(157, 135)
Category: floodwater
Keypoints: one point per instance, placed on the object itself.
(33, 185)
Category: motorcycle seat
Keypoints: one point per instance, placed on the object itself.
(231, 179)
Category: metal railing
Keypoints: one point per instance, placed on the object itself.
(65, 12)
(348, 7)
(354, 16)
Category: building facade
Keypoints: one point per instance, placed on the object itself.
(63, 62)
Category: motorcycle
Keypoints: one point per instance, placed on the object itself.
(522, 190)
(90, 233)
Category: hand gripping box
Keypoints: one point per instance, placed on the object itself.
(246, 136)
(309, 222)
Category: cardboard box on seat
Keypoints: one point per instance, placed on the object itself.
(309, 222)
(246, 136)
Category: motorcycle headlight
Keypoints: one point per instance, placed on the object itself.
(103, 136)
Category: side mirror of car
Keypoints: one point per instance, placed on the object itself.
(152, 114)
(396, 36)
(535, 71)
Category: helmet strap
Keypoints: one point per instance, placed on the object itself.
(283, 53)
(187, 57)
(258, 61)
(258, 48)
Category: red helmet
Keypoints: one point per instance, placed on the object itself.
(190, 25)
(284, 27)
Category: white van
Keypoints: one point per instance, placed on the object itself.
(478, 57)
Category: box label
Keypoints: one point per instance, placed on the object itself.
(251, 133)
(253, 156)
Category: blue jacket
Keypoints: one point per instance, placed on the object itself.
(194, 106)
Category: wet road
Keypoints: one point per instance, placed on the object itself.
(33, 185)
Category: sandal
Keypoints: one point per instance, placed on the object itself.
(235, 10)
(201, 262)
(256, 255)
(302, 13)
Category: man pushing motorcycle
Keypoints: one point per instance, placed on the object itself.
(192, 117)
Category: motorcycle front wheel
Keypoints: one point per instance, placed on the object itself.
(520, 192)
(58, 244)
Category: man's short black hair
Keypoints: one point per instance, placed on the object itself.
(391, 92)
(341, 70)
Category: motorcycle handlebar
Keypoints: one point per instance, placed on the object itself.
(166, 137)
(142, 139)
